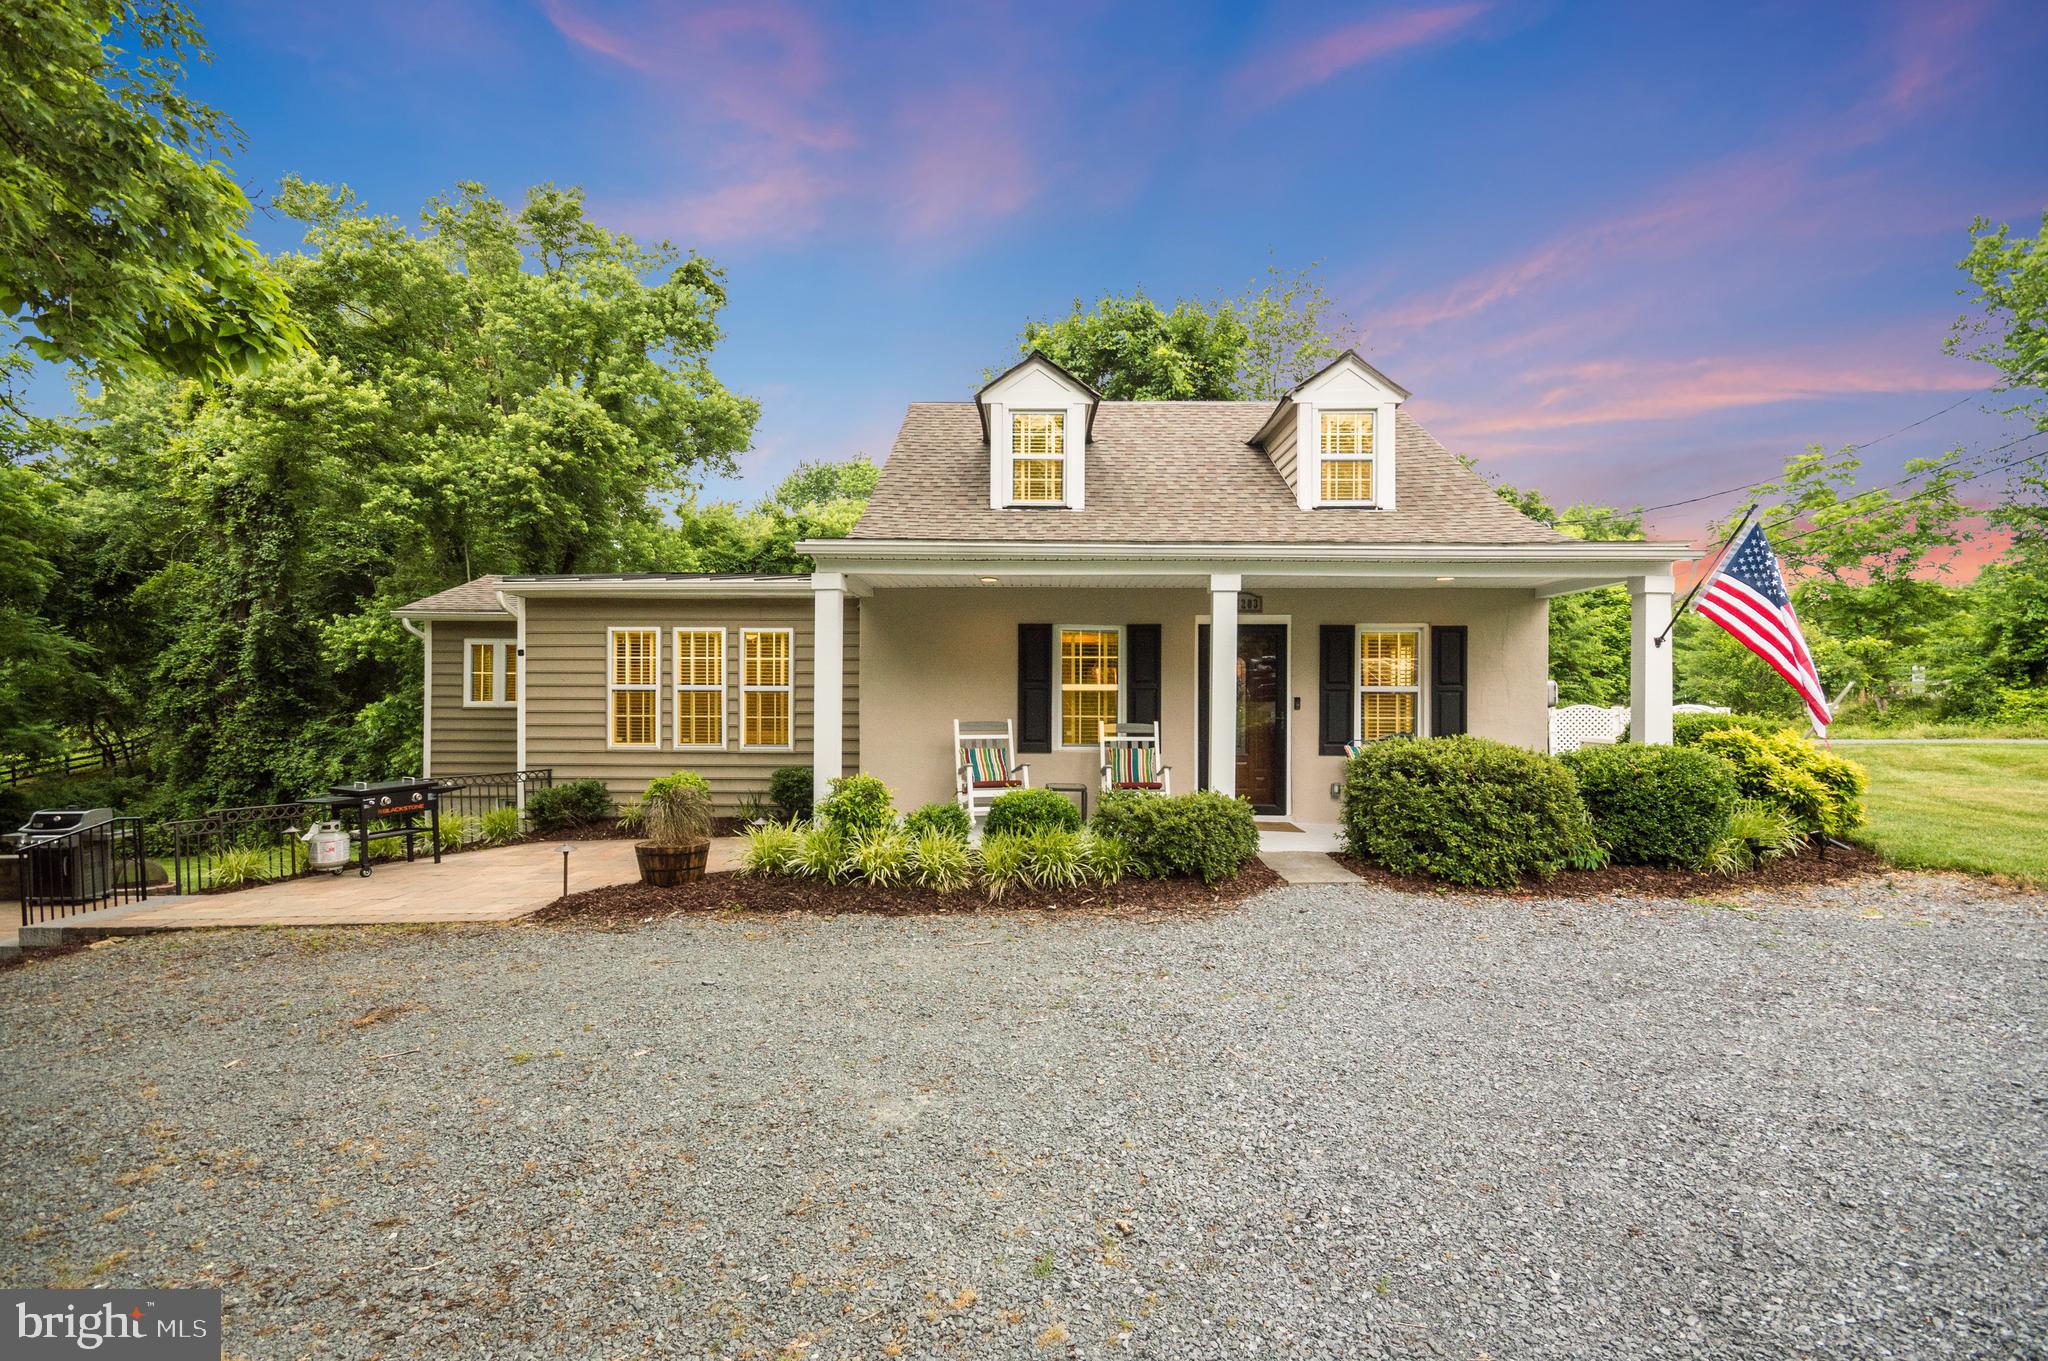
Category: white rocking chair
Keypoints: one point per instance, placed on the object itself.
(1130, 759)
(985, 763)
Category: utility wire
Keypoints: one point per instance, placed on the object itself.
(2021, 461)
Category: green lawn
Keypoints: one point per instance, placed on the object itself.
(1948, 806)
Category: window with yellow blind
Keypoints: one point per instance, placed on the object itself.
(1091, 683)
(700, 689)
(1347, 455)
(767, 673)
(1038, 457)
(1389, 682)
(633, 688)
(490, 673)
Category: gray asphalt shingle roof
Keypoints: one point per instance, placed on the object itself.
(471, 597)
(1176, 472)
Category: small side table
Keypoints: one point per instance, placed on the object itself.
(1077, 792)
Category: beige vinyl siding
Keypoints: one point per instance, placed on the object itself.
(564, 679)
(468, 741)
(1283, 454)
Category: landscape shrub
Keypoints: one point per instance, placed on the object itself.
(1054, 857)
(821, 854)
(940, 817)
(1027, 810)
(1107, 857)
(1000, 863)
(789, 788)
(1686, 728)
(1654, 805)
(879, 857)
(1206, 835)
(633, 817)
(771, 848)
(858, 803)
(1818, 790)
(941, 860)
(236, 866)
(455, 830)
(569, 804)
(1757, 832)
(676, 809)
(499, 826)
(1465, 809)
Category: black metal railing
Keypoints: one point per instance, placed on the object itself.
(472, 796)
(66, 873)
(235, 847)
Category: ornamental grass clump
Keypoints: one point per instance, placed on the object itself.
(236, 866)
(1464, 809)
(1054, 857)
(771, 848)
(499, 827)
(455, 831)
(676, 810)
(821, 854)
(1002, 863)
(879, 858)
(1654, 805)
(1757, 833)
(1107, 858)
(941, 861)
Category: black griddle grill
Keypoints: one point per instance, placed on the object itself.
(399, 802)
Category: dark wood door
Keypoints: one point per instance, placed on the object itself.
(1261, 714)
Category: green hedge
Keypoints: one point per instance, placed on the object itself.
(1465, 809)
(1687, 728)
(569, 804)
(1205, 836)
(1818, 790)
(789, 788)
(1028, 810)
(949, 818)
(1655, 805)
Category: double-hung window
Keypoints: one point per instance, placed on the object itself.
(1389, 682)
(700, 689)
(1347, 456)
(633, 689)
(490, 672)
(767, 667)
(1091, 683)
(1038, 458)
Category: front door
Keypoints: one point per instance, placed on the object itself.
(1261, 714)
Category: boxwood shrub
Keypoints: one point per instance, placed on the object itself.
(1465, 809)
(1820, 791)
(950, 818)
(789, 789)
(1205, 836)
(1028, 810)
(1655, 805)
(568, 804)
(858, 803)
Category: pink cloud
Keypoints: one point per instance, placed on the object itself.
(1302, 62)
(778, 202)
(966, 158)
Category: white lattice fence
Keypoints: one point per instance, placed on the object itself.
(1575, 725)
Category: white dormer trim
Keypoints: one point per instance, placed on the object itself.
(1037, 384)
(1349, 384)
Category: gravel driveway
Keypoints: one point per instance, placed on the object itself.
(1332, 1122)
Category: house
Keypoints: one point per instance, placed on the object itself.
(1293, 574)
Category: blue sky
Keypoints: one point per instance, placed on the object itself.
(1628, 251)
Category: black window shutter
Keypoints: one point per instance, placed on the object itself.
(1034, 687)
(1447, 680)
(1335, 680)
(1141, 669)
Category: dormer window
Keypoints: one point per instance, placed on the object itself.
(1347, 457)
(1038, 459)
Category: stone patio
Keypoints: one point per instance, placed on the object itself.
(473, 886)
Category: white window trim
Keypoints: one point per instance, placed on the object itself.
(1368, 503)
(724, 678)
(1421, 686)
(746, 690)
(1059, 688)
(501, 648)
(1066, 501)
(612, 687)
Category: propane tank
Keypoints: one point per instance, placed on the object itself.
(326, 846)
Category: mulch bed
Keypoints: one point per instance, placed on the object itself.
(1645, 881)
(630, 904)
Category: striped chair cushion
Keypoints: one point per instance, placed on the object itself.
(1353, 748)
(989, 765)
(1132, 766)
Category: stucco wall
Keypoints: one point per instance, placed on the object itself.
(467, 741)
(566, 670)
(930, 656)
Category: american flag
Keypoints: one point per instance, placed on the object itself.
(1746, 595)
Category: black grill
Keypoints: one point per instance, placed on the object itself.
(401, 802)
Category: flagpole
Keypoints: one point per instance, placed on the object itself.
(1706, 574)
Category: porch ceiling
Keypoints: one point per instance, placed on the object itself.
(1543, 583)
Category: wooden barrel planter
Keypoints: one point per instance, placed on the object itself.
(667, 866)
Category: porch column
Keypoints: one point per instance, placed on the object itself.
(828, 681)
(1223, 589)
(1649, 664)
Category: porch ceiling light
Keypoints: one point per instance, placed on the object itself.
(990, 581)
(1446, 578)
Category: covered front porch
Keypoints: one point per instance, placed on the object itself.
(1293, 654)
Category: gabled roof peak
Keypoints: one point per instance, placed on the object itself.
(1036, 356)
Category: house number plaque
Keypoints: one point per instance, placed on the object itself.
(1250, 602)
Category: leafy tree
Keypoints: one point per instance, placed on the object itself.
(817, 501)
(119, 229)
(1257, 345)
(2010, 276)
